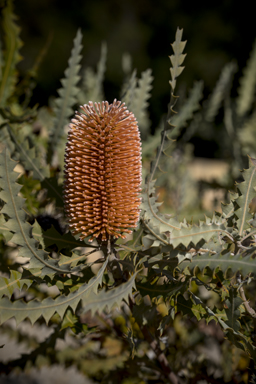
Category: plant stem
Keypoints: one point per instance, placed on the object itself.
(246, 303)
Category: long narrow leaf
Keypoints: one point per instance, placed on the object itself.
(220, 91)
(247, 193)
(140, 101)
(17, 223)
(34, 309)
(92, 83)
(68, 92)
(223, 261)
(189, 107)
(247, 85)
(102, 300)
(11, 55)
(29, 157)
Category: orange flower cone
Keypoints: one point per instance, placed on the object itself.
(103, 172)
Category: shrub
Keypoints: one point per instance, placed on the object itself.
(151, 307)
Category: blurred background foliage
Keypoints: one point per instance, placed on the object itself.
(218, 31)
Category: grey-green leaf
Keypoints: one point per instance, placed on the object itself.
(189, 107)
(177, 58)
(247, 193)
(68, 92)
(34, 309)
(7, 285)
(17, 224)
(220, 91)
(247, 85)
(224, 261)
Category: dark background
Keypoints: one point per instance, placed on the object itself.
(216, 31)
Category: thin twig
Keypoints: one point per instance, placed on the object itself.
(242, 246)
(249, 234)
(246, 303)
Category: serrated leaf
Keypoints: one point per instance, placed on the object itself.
(108, 299)
(247, 85)
(247, 135)
(128, 92)
(176, 61)
(150, 145)
(30, 157)
(37, 233)
(4, 230)
(220, 91)
(227, 210)
(101, 68)
(73, 322)
(177, 58)
(170, 231)
(225, 261)
(17, 220)
(92, 83)
(74, 259)
(247, 193)
(34, 309)
(68, 92)
(151, 214)
(187, 111)
(194, 234)
(7, 285)
(11, 54)
(52, 236)
(6, 139)
(17, 217)
(139, 102)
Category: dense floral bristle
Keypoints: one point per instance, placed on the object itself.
(103, 171)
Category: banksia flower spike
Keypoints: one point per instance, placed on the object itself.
(103, 172)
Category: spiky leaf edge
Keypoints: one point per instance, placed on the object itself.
(17, 222)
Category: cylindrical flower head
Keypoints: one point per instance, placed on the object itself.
(103, 171)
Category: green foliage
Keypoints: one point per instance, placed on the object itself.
(247, 86)
(92, 83)
(11, 55)
(246, 189)
(33, 310)
(189, 107)
(15, 281)
(155, 294)
(30, 157)
(220, 91)
(137, 97)
(67, 93)
(17, 223)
